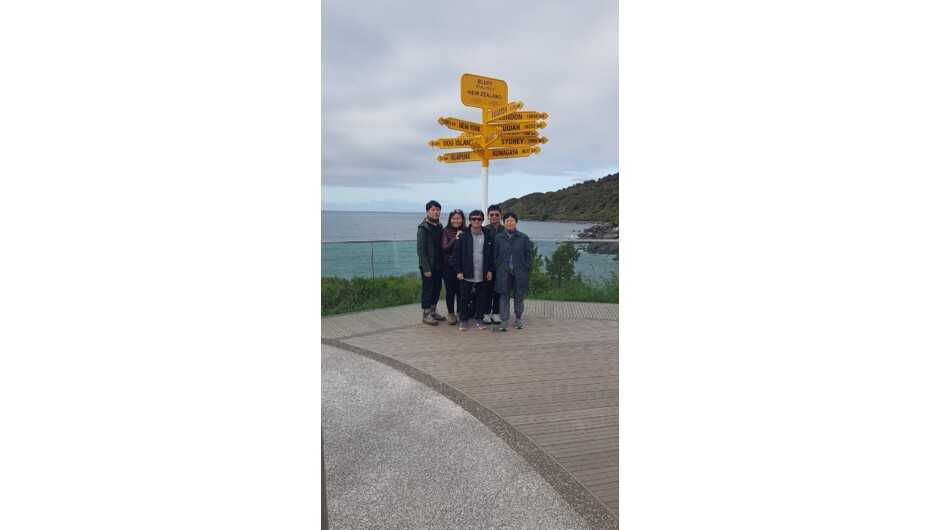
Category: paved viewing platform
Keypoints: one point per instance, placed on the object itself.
(472, 429)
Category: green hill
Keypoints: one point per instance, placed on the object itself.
(591, 201)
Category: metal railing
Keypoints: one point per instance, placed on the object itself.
(598, 258)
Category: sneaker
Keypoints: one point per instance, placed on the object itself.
(496, 319)
(497, 329)
(518, 322)
(428, 319)
(435, 316)
(480, 326)
(463, 326)
(487, 319)
(451, 319)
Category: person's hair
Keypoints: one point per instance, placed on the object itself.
(463, 221)
(510, 214)
(477, 212)
(494, 207)
(431, 203)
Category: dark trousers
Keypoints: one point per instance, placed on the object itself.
(478, 294)
(451, 283)
(430, 290)
(491, 299)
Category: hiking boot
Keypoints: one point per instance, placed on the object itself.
(463, 326)
(428, 319)
(487, 319)
(437, 317)
(480, 326)
(496, 319)
(451, 319)
(518, 322)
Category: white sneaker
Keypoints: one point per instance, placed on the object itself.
(496, 319)
(487, 319)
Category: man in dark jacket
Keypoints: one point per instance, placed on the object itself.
(430, 262)
(473, 261)
(491, 299)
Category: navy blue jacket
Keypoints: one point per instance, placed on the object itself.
(463, 255)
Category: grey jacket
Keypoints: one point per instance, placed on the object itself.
(520, 248)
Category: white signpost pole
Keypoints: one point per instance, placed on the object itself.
(486, 183)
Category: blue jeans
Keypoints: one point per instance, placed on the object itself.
(431, 290)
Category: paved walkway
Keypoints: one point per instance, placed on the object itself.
(514, 423)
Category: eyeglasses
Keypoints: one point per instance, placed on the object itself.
(494, 215)
(476, 218)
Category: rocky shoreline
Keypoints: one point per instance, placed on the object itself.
(602, 230)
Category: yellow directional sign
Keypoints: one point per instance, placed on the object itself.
(519, 140)
(451, 143)
(479, 154)
(499, 112)
(516, 134)
(512, 152)
(483, 92)
(522, 126)
(462, 156)
(461, 125)
(527, 115)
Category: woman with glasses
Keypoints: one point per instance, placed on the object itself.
(456, 225)
(473, 261)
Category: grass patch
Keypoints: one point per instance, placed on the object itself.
(338, 295)
(576, 289)
(360, 294)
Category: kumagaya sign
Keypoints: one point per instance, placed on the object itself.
(504, 130)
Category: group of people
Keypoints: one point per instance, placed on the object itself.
(481, 265)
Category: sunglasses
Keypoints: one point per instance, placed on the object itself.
(476, 218)
(494, 215)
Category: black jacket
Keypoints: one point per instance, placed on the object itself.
(463, 255)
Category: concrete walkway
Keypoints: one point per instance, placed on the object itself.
(407, 447)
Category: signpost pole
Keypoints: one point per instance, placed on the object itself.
(486, 181)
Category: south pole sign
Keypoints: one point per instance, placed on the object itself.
(504, 131)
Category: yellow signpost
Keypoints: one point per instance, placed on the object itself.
(504, 131)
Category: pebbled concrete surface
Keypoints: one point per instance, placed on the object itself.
(400, 455)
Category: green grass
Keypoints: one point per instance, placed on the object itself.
(577, 290)
(360, 294)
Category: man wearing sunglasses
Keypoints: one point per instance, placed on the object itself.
(491, 299)
(473, 261)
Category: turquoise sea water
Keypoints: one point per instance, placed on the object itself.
(370, 244)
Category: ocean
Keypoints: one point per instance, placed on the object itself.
(385, 226)
(369, 244)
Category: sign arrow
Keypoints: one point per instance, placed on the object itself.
(519, 140)
(527, 115)
(499, 112)
(523, 126)
(451, 143)
(461, 125)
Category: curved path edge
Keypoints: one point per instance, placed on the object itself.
(595, 512)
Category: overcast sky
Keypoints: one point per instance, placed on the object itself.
(391, 69)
